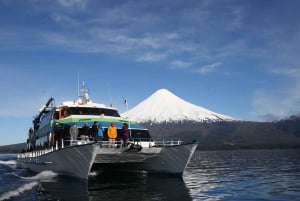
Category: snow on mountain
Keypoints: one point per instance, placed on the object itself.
(164, 106)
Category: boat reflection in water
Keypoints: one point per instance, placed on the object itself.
(63, 188)
(142, 186)
(116, 186)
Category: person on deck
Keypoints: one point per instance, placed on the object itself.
(30, 139)
(100, 133)
(86, 131)
(73, 132)
(112, 134)
(125, 133)
(95, 130)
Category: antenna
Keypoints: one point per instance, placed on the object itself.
(85, 93)
(108, 84)
(78, 93)
(126, 102)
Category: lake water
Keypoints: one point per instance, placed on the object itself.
(210, 175)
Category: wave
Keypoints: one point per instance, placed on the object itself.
(14, 193)
(12, 163)
(94, 173)
(34, 181)
(44, 175)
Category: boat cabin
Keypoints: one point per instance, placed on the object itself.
(53, 124)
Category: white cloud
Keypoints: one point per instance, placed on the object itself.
(73, 3)
(151, 57)
(179, 64)
(136, 29)
(141, 48)
(209, 68)
(289, 72)
(144, 30)
(63, 19)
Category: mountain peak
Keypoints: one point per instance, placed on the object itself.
(161, 94)
(163, 91)
(164, 106)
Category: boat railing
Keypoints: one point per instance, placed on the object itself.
(35, 153)
(108, 144)
(58, 145)
(156, 142)
(167, 142)
(144, 142)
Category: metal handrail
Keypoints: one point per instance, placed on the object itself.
(152, 142)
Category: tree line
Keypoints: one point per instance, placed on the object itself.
(233, 134)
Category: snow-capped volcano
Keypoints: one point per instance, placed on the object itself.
(164, 106)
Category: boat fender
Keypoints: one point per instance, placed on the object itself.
(134, 147)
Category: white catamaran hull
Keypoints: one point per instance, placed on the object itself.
(172, 159)
(168, 159)
(75, 161)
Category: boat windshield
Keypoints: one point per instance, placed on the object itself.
(93, 111)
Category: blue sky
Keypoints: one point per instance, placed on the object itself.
(238, 58)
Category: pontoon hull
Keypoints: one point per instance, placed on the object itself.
(169, 159)
(75, 161)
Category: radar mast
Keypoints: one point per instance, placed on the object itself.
(85, 94)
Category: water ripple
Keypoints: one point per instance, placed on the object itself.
(244, 174)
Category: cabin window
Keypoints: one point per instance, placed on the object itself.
(140, 134)
(66, 112)
(93, 111)
(46, 119)
(56, 115)
(42, 142)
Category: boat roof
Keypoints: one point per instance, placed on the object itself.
(79, 103)
(84, 101)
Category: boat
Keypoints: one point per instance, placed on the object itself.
(50, 146)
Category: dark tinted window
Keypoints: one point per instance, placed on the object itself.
(142, 134)
(93, 111)
(46, 119)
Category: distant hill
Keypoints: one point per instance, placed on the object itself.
(234, 134)
(13, 148)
